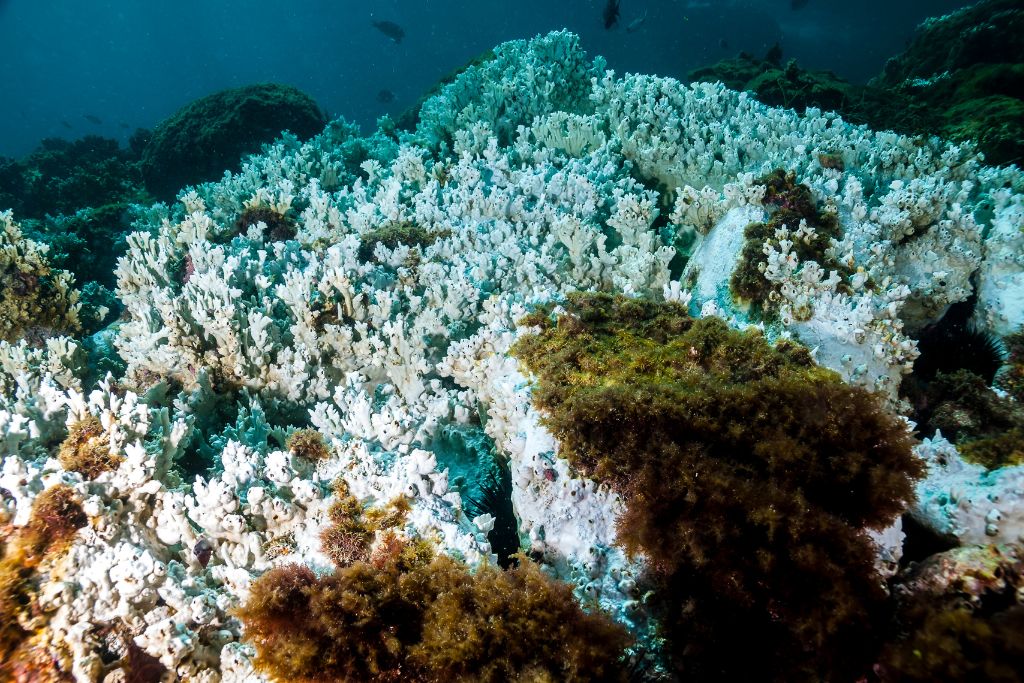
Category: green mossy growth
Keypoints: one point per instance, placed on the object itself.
(794, 203)
(1011, 377)
(960, 618)
(959, 645)
(87, 449)
(347, 538)
(212, 134)
(56, 516)
(749, 475)
(308, 444)
(987, 428)
(392, 235)
(280, 228)
(352, 529)
(424, 618)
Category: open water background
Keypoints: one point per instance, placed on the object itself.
(131, 63)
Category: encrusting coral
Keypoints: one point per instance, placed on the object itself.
(749, 476)
(416, 617)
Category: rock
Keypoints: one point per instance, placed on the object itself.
(211, 135)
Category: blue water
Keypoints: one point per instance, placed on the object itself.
(131, 63)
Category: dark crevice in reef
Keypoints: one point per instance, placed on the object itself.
(951, 390)
(954, 343)
(494, 497)
(921, 542)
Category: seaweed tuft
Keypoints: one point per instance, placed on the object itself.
(749, 476)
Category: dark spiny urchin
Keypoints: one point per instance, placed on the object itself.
(495, 499)
(956, 343)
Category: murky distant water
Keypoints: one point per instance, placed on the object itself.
(127, 64)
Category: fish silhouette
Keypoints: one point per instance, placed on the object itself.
(385, 96)
(611, 13)
(390, 29)
(636, 23)
(91, 118)
(798, 4)
(65, 123)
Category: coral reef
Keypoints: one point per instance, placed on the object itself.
(316, 347)
(968, 503)
(212, 134)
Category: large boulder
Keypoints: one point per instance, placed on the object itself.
(211, 135)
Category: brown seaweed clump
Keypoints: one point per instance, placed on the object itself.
(413, 616)
(749, 476)
(87, 449)
(960, 618)
(56, 515)
(308, 444)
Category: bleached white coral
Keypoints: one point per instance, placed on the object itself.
(963, 501)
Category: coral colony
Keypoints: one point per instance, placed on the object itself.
(584, 378)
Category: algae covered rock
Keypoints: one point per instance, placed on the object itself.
(960, 617)
(782, 85)
(205, 138)
(62, 176)
(36, 301)
(987, 32)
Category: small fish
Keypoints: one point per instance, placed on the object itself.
(390, 29)
(723, 43)
(203, 550)
(636, 23)
(64, 122)
(91, 118)
(385, 96)
(798, 4)
(124, 125)
(611, 13)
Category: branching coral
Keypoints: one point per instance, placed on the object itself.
(424, 618)
(797, 230)
(749, 475)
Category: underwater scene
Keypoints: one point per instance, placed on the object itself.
(593, 341)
